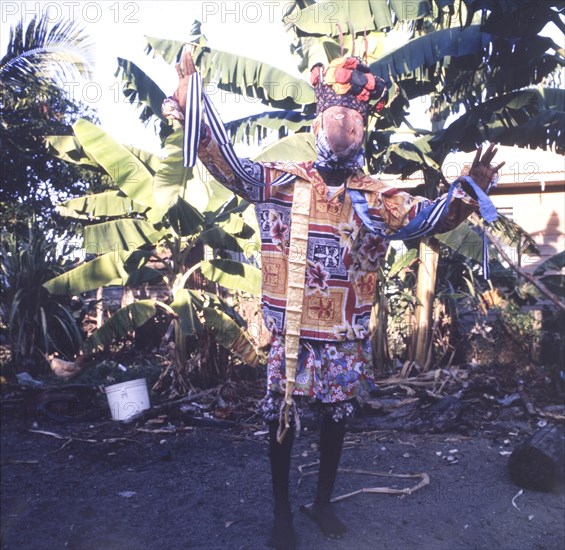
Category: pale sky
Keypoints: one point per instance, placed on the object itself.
(252, 29)
(244, 27)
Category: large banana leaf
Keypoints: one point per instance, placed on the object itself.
(544, 130)
(214, 301)
(555, 263)
(509, 65)
(252, 78)
(219, 239)
(169, 50)
(507, 120)
(113, 268)
(513, 235)
(207, 194)
(300, 147)
(323, 49)
(402, 261)
(151, 161)
(141, 90)
(116, 235)
(171, 179)
(126, 170)
(185, 307)
(143, 274)
(69, 149)
(464, 240)
(425, 51)
(254, 128)
(555, 283)
(405, 158)
(233, 275)
(514, 17)
(321, 18)
(512, 119)
(173, 182)
(233, 205)
(184, 218)
(241, 75)
(554, 98)
(235, 225)
(315, 49)
(134, 263)
(121, 324)
(102, 271)
(101, 205)
(224, 328)
(551, 274)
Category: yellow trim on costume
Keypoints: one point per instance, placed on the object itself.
(299, 218)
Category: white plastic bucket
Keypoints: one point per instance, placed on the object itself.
(127, 398)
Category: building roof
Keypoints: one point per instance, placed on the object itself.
(526, 170)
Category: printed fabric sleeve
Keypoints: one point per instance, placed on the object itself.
(397, 209)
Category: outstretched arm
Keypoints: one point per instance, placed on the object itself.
(398, 209)
(482, 171)
(209, 151)
(465, 200)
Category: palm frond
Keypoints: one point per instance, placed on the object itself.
(254, 128)
(43, 56)
(141, 90)
(519, 119)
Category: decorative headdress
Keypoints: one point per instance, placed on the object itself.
(348, 82)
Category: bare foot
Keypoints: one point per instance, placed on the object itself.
(326, 519)
(283, 536)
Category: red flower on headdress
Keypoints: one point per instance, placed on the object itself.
(350, 63)
(315, 74)
(363, 95)
(348, 82)
(380, 105)
(342, 75)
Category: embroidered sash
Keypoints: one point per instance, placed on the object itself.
(297, 258)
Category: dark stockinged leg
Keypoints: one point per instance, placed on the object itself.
(322, 512)
(283, 536)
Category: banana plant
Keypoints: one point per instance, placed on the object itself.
(551, 273)
(145, 229)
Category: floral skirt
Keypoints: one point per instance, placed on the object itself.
(330, 374)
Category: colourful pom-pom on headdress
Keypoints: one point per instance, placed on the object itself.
(349, 83)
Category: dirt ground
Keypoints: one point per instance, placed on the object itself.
(107, 485)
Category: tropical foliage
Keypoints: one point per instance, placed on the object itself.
(147, 230)
(35, 102)
(504, 82)
(33, 321)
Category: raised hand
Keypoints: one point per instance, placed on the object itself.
(184, 69)
(482, 171)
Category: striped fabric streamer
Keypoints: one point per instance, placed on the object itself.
(420, 226)
(425, 221)
(193, 120)
(489, 215)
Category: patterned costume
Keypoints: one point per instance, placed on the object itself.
(341, 259)
(340, 247)
(320, 248)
